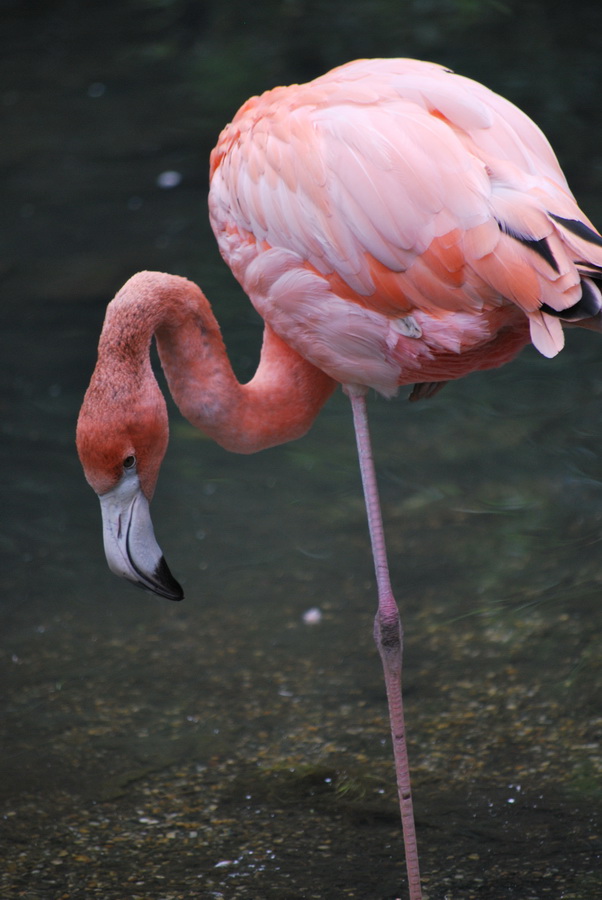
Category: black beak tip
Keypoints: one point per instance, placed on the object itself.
(165, 584)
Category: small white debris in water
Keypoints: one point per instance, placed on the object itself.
(312, 616)
(224, 862)
(96, 89)
(169, 179)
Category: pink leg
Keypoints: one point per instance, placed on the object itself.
(388, 635)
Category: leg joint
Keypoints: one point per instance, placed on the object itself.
(388, 632)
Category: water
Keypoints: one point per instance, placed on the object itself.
(222, 747)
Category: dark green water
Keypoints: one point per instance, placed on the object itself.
(222, 747)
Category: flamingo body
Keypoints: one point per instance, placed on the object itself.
(393, 223)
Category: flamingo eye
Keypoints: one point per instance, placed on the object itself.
(129, 462)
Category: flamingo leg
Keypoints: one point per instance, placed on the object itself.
(388, 634)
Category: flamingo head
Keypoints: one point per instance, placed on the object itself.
(122, 435)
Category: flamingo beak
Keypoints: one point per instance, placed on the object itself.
(129, 540)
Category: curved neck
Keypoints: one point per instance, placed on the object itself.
(277, 405)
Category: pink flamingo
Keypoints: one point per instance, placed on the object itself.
(393, 223)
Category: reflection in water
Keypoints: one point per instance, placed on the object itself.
(224, 747)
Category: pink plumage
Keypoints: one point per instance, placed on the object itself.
(392, 190)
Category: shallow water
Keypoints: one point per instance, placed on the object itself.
(222, 747)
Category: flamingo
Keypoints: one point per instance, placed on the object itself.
(394, 224)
